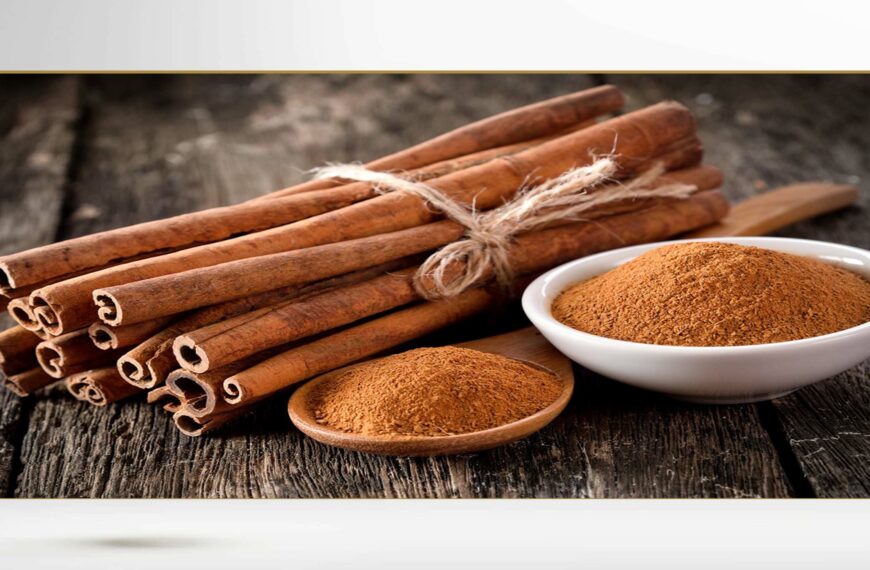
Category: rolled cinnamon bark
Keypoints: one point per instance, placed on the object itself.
(24, 291)
(521, 124)
(100, 387)
(635, 138)
(22, 313)
(178, 292)
(147, 365)
(162, 296)
(27, 382)
(188, 389)
(106, 337)
(195, 426)
(98, 250)
(16, 350)
(40, 265)
(536, 249)
(163, 396)
(71, 353)
(449, 166)
(222, 344)
(10, 292)
(201, 395)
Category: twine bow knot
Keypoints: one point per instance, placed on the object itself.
(485, 250)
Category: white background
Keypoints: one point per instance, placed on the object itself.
(439, 35)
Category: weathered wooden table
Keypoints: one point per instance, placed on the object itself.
(78, 155)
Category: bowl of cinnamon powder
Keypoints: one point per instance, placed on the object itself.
(723, 320)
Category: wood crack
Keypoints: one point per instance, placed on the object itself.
(798, 482)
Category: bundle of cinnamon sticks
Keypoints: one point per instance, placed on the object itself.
(213, 311)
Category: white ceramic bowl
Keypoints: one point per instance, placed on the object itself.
(725, 375)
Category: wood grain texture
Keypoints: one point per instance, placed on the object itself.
(773, 130)
(774, 209)
(37, 135)
(827, 426)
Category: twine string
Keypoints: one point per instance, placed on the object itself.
(485, 250)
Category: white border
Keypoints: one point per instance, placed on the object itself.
(675, 534)
(579, 35)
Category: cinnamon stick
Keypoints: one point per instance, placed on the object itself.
(16, 350)
(27, 382)
(195, 426)
(521, 124)
(25, 291)
(100, 387)
(636, 138)
(222, 344)
(451, 165)
(201, 394)
(42, 264)
(147, 365)
(70, 354)
(162, 296)
(536, 249)
(163, 396)
(106, 337)
(22, 313)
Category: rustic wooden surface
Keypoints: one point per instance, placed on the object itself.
(81, 155)
(38, 120)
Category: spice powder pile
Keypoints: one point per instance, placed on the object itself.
(716, 294)
(433, 392)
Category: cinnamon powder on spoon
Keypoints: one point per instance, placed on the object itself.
(716, 294)
(433, 392)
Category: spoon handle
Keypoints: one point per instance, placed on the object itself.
(779, 208)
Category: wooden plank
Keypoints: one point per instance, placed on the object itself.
(767, 131)
(37, 135)
(616, 441)
(827, 426)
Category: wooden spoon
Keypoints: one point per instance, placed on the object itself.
(526, 345)
(776, 209)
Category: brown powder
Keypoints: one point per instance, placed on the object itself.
(433, 392)
(716, 294)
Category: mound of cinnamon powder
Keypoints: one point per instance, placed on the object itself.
(716, 294)
(433, 392)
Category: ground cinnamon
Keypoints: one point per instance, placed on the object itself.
(433, 392)
(716, 294)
